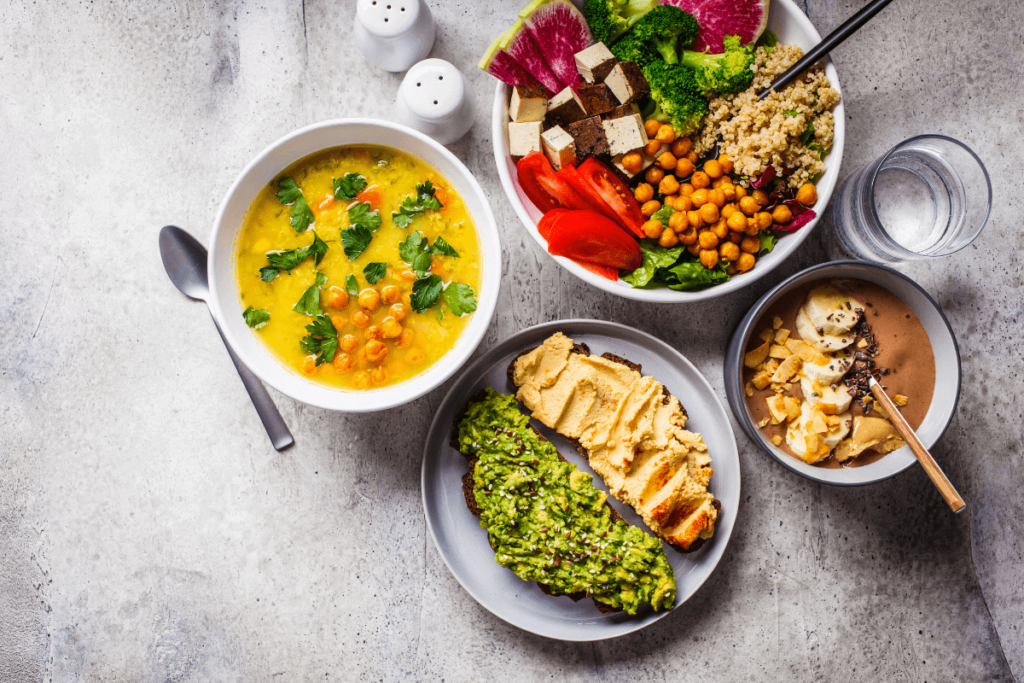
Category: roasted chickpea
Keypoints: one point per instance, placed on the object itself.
(408, 276)
(700, 179)
(650, 207)
(741, 192)
(781, 214)
(653, 229)
(405, 338)
(360, 318)
(709, 213)
(744, 263)
(343, 362)
(414, 356)
(708, 258)
(807, 194)
(694, 249)
(336, 297)
(372, 332)
(390, 328)
(713, 168)
(719, 182)
(693, 218)
(379, 374)
(666, 135)
(752, 226)
(716, 197)
(692, 156)
(632, 162)
(749, 206)
(677, 221)
(728, 210)
(651, 126)
(654, 175)
(643, 192)
(720, 229)
(735, 237)
(668, 185)
(684, 203)
(688, 237)
(729, 190)
(699, 198)
(361, 380)
(369, 299)
(708, 240)
(681, 147)
(686, 189)
(652, 148)
(729, 251)
(309, 365)
(726, 163)
(684, 169)
(390, 294)
(764, 220)
(668, 239)
(750, 245)
(397, 311)
(760, 196)
(736, 220)
(666, 161)
(375, 350)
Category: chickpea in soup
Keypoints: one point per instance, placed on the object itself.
(358, 266)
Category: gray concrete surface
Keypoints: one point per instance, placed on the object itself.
(148, 531)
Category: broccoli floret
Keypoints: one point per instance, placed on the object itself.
(676, 97)
(629, 48)
(727, 73)
(609, 19)
(666, 27)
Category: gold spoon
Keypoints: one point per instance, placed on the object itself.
(934, 472)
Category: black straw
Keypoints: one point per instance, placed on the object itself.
(825, 46)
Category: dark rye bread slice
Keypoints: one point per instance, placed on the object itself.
(467, 492)
(584, 350)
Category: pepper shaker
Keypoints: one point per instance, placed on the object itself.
(394, 34)
(436, 98)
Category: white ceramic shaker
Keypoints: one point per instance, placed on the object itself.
(394, 34)
(436, 98)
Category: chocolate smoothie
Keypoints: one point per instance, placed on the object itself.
(890, 340)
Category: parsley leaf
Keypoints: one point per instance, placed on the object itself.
(790, 112)
(411, 246)
(321, 340)
(287, 260)
(360, 214)
(289, 193)
(460, 298)
(309, 302)
(425, 292)
(421, 264)
(351, 286)
(442, 248)
(375, 271)
(414, 206)
(349, 186)
(256, 318)
(355, 240)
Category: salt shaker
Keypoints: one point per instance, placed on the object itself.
(394, 34)
(436, 98)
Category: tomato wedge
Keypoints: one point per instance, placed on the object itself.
(594, 201)
(543, 186)
(616, 195)
(604, 271)
(547, 222)
(593, 238)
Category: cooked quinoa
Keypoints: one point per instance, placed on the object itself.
(757, 133)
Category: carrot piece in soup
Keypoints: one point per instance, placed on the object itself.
(372, 194)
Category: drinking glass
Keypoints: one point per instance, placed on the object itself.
(927, 196)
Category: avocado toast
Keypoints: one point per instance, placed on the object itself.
(546, 521)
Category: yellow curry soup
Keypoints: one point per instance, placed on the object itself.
(381, 339)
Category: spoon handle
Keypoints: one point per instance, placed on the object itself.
(935, 473)
(277, 430)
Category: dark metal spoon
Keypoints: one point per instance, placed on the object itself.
(185, 262)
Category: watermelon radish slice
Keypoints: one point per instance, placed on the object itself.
(721, 18)
(507, 70)
(561, 31)
(520, 46)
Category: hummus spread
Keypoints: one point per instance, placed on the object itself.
(633, 431)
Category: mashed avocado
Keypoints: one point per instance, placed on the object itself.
(547, 522)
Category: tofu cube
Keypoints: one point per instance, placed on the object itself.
(563, 109)
(595, 63)
(626, 80)
(559, 147)
(595, 98)
(588, 134)
(625, 134)
(524, 138)
(529, 103)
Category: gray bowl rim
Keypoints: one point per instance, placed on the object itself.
(742, 333)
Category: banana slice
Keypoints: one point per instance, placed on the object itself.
(829, 372)
(832, 401)
(832, 311)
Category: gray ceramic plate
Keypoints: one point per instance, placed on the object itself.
(463, 544)
(947, 366)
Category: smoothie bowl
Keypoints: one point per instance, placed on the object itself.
(798, 364)
(354, 265)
